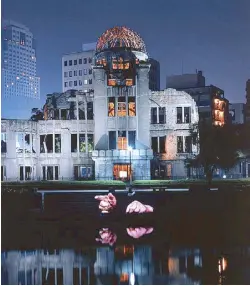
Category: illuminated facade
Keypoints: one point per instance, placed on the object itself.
(121, 106)
(173, 115)
(114, 131)
(20, 84)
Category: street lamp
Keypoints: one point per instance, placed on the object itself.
(130, 162)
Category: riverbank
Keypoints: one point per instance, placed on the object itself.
(223, 184)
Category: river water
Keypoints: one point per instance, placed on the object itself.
(187, 240)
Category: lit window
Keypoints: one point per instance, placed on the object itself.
(111, 106)
(131, 106)
(122, 140)
(85, 81)
(121, 107)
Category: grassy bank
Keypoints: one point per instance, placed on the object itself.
(232, 183)
(63, 185)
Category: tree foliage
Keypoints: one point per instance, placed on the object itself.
(37, 114)
(218, 148)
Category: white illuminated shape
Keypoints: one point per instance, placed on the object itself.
(130, 148)
(123, 174)
(132, 279)
(224, 176)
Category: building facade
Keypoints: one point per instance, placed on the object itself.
(113, 131)
(77, 72)
(20, 84)
(173, 114)
(72, 146)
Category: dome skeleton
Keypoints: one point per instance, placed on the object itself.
(123, 36)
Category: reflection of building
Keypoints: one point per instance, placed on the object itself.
(237, 113)
(154, 75)
(213, 107)
(20, 84)
(124, 265)
(77, 70)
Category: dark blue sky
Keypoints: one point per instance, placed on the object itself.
(210, 35)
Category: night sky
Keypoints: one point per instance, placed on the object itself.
(208, 35)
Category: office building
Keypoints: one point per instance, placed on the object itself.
(77, 72)
(186, 80)
(20, 84)
(154, 75)
(212, 105)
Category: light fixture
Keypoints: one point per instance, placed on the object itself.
(132, 279)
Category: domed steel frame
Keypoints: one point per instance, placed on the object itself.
(120, 37)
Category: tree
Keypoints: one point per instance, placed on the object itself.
(218, 148)
(37, 114)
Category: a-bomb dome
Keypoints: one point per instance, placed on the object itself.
(120, 37)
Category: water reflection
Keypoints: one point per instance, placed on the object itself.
(125, 264)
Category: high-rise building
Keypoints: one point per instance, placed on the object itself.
(77, 69)
(154, 75)
(20, 84)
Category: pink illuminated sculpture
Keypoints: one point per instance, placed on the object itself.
(139, 231)
(108, 203)
(107, 236)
